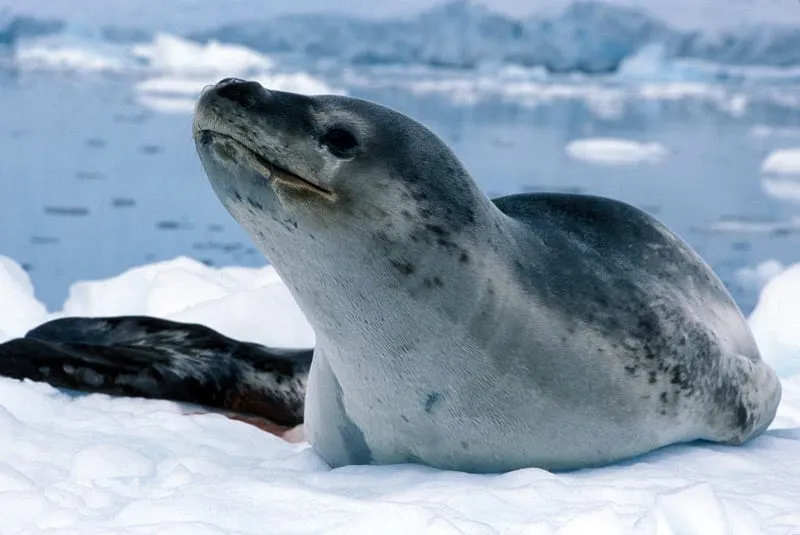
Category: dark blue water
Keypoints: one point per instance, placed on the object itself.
(92, 183)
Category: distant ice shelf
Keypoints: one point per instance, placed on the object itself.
(587, 37)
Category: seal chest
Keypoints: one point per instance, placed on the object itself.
(559, 331)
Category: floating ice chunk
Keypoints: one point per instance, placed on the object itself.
(754, 226)
(67, 57)
(179, 95)
(169, 53)
(21, 311)
(786, 189)
(610, 151)
(775, 322)
(178, 92)
(76, 48)
(762, 131)
(783, 162)
(651, 62)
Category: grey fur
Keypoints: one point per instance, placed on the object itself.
(558, 331)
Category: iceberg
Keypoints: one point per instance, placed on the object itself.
(587, 37)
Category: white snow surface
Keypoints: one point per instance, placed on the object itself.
(91, 464)
(611, 151)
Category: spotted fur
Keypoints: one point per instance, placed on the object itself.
(154, 358)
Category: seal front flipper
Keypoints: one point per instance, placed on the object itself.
(147, 357)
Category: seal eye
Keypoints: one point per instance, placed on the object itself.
(339, 141)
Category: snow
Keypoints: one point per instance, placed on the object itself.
(611, 151)
(775, 319)
(16, 287)
(186, 290)
(90, 464)
(783, 162)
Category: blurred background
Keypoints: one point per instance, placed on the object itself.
(689, 109)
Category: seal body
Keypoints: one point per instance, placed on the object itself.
(547, 330)
(140, 356)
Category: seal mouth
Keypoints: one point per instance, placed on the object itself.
(270, 171)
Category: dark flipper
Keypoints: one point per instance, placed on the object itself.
(140, 356)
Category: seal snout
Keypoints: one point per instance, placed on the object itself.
(243, 92)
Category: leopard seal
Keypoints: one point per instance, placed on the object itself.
(540, 330)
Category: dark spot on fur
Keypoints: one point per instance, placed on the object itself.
(652, 378)
(431, 400)
(255, 204)
(404, 417)
(447, 244)
(681, 378)
(438, 282)
(403, 267)
(406, 213)
(437, 229)
(663, 397)
(463, 257)
(465, 444)
(381, 236)
(630, 369)
(741, 416)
